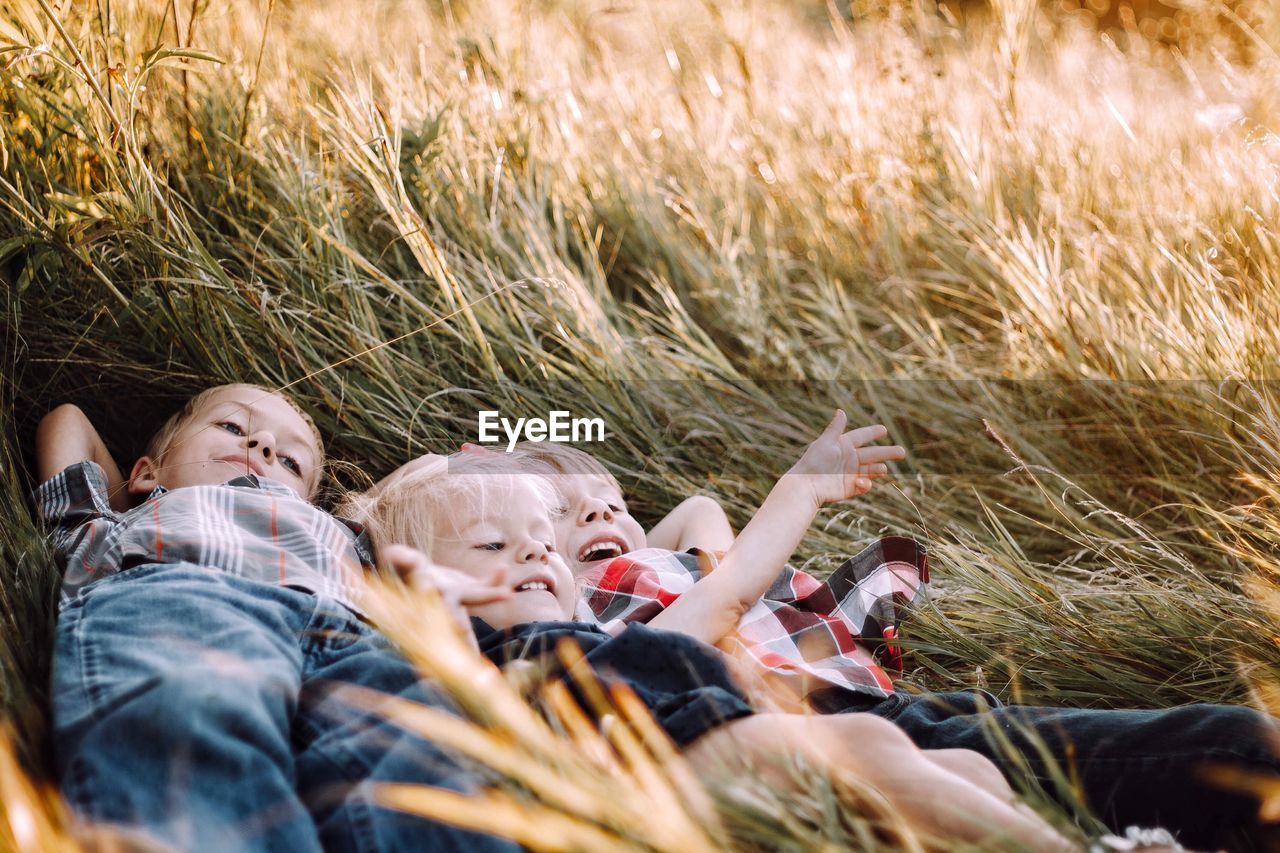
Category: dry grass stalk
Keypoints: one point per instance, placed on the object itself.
(31, 815)
(612, 792)
(751, 213)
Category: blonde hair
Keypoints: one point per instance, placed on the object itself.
(560, 459)
(408, 511)
(162, 442)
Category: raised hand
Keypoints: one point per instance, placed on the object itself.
(839, 465)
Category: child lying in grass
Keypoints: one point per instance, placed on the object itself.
(201, 633)
(474, 515)
(800, 636)
(1143, 766)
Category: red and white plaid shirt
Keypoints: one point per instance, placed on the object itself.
(803, 634)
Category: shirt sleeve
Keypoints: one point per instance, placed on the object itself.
(75, 496)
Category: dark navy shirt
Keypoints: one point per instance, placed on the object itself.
(682, 681)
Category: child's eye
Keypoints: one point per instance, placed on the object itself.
(292, 464)
(491, 546)
(617, 508)
(231, 427)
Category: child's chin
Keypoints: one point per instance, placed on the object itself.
(539, 610)
(593, 570)
(546, 614)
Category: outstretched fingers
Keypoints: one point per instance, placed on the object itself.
(483, 590)
(416, 570)
(468, 590)
(870, 460)
(838, 422)
(403, 560)
(458, 590)
(881, 453)
(865, 435)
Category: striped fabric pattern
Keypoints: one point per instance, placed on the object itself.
(250, 526)
(804, 634)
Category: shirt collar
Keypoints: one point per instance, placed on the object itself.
(245, 481)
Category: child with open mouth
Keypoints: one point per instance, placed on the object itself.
(472, 516)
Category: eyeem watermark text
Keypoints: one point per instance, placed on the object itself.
(558, 426)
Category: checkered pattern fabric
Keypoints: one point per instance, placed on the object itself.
(804, 634)
(250, 526)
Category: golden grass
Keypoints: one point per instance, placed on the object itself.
(1046, 259)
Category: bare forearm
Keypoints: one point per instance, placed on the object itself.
(836, 466)
(698, 522)
(770, 538)
(713, 606)
(65, 436)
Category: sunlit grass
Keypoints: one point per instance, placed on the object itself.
(708, 224)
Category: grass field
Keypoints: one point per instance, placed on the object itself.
(1046, 258)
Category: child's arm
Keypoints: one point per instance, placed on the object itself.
(65, 436)
(698, 522)
(835, 467)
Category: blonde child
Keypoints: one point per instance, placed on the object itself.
(473, 515)
(208, 610)
(801, 639)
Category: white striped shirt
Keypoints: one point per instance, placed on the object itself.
(249, 526)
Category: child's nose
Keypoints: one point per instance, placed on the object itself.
(594, 510)
(264, 442)
(533, 552)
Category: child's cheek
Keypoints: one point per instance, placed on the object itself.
(638, 534)
(569, 601)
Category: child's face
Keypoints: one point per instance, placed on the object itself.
(596, 525)
(238, 430)
(509, 528)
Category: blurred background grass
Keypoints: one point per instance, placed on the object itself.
(1038, 241)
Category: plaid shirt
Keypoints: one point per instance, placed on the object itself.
(802, 635)
(252, 527)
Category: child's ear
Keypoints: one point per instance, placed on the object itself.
(468, 447)
(144, 477)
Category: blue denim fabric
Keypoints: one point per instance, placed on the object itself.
(1134, 767)
(198, 707)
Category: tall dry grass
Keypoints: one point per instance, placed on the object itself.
(1046, 259)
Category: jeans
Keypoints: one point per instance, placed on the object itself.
(1131, 767)
(199, 708)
